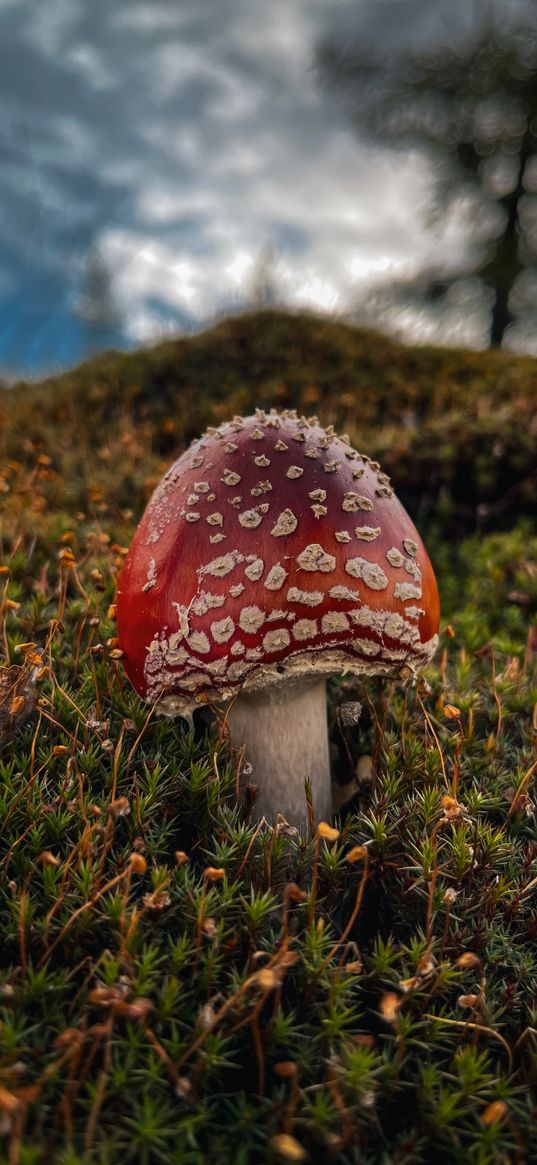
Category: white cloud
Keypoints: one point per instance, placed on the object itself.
(50, 24)
(355, 224)
(193, 134)
(240, 268)
(147, 17)
(89, 64)
(312, 290)
(151, 271)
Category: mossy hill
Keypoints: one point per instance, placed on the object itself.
(456, 429)
(177, 985)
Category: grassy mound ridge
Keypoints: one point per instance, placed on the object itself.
(456, 429)
(176, 985)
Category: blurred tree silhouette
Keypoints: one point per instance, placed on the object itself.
(263, 290)
(96, 305)
(472, 106)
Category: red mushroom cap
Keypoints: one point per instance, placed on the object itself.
(271, 548)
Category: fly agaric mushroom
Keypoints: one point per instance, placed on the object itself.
(271, 556)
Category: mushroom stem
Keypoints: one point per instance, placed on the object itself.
(285, 733)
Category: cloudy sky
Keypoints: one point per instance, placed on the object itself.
(180, 140)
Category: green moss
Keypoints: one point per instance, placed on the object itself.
(380, 1010)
